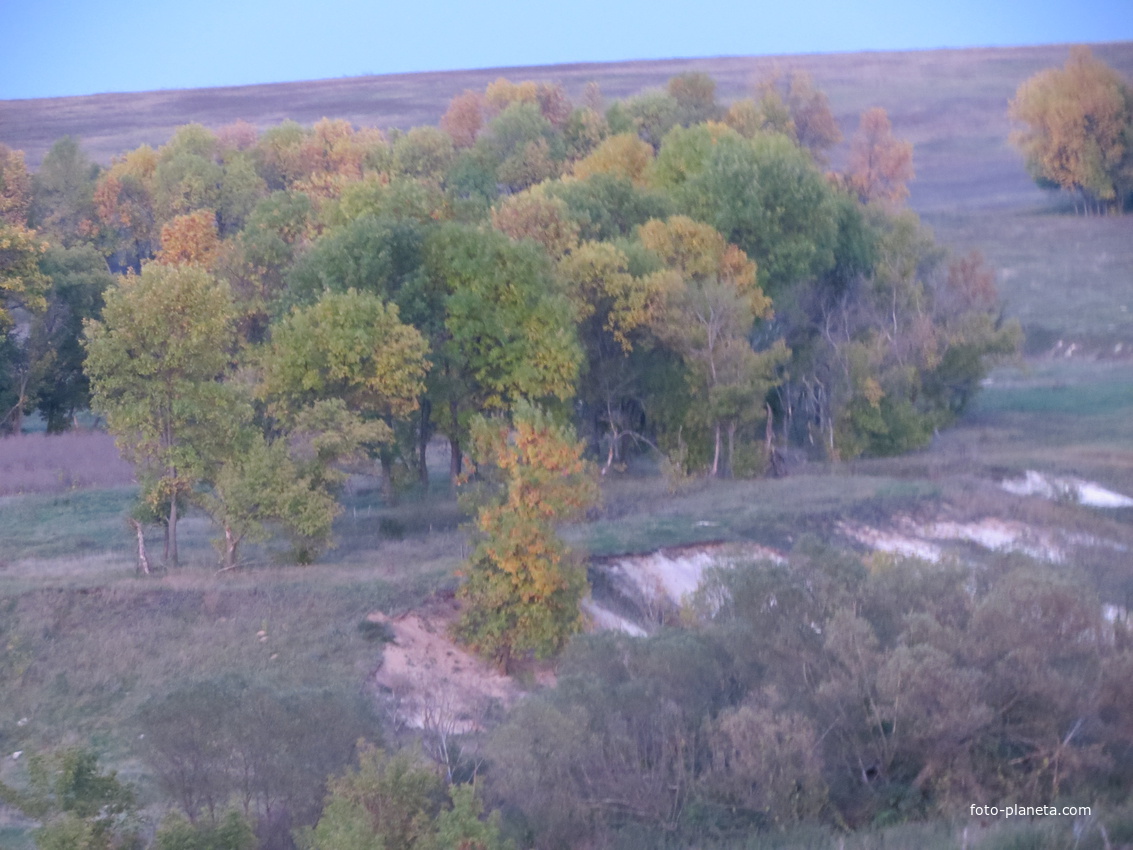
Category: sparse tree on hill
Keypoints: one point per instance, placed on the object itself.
(1079, 134)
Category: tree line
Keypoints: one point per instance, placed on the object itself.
(661, 275)
(674, 270)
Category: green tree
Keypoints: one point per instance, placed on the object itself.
(463, 827)
(353, 348)
(232, 833)
(651, 115)
(613, 309)
(253, 482)
(377, 255)
(695, 95)
(423, 152)
(79, 278)
(79, 806)
(241, 189)
(764, 195)
(22, 285)
(155, 361)
(1079, 134)
(609, 206)
(526, 146)
(523, 588)
(507, 333)
(388, 803)
(349, 346)
(708, 312)
(63, 194)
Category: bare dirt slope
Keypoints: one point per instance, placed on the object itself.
(950, 103)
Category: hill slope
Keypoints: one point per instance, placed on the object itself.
(950, 103)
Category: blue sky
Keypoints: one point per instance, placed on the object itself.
(67, 47)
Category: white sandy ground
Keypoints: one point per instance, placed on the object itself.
(432, 679)
(1084, 492)
(915, 540)
(602, 619)
(672, 575)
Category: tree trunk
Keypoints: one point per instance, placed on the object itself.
(455, 460)
(388, 494)
(143, 558)
(716, 453)
(610, 454)
(171, 532)
(769, 450)
(231, 541)
(728, 473)
(423, 436)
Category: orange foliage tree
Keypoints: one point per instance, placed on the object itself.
(523, 589)
(464, 118)
(623, 155)
(880, 164)
(1079, 134)
(533, 215)
(15, 187)
(124, 203)
(190, 240)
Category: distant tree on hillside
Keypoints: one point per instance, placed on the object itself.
(1079, 134)
(15, 187)
(880, 164)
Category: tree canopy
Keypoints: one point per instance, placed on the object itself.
(1079, 130)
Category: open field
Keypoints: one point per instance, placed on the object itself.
(42, 463)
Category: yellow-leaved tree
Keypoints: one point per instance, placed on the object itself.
(1079, 134)
(523, 587)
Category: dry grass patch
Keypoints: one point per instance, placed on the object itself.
(56, 463)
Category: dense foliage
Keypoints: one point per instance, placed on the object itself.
(823, 689)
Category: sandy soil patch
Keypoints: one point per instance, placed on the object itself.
(892, 542)
(913, 539)
(1083, 492)
(602, 619)
(671, 575)
(434, 681)
(998, 535)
